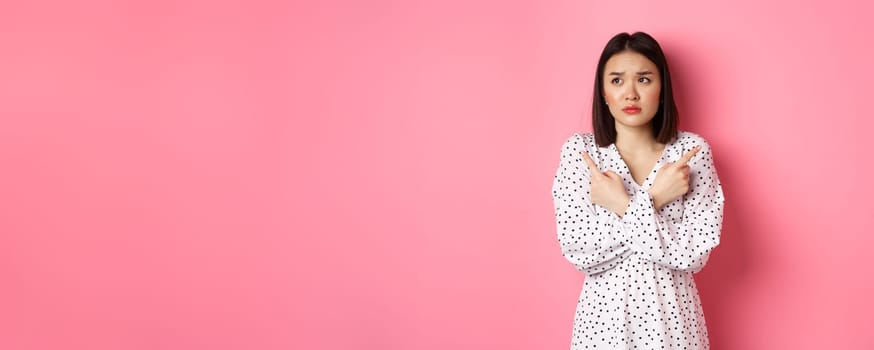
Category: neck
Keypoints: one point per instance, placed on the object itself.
(640, 138)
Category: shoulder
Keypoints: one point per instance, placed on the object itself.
(577, 142)
(687, 140)
(572, 161)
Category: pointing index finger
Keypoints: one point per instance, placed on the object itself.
(592, 167)
(688, 156)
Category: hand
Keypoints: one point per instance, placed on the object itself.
(607, 189)
(672, 180)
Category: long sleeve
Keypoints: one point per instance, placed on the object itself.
(592, 243)
(685, 244)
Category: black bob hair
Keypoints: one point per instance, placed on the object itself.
(664, 123)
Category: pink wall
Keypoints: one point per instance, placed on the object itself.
(377, 175)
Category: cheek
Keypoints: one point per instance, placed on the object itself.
(612, 95)
(654, 94)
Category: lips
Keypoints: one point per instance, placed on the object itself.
(631, 110)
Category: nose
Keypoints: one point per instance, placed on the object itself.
(631, 94)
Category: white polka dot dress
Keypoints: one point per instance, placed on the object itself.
(639, 292)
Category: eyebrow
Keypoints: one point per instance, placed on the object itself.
(646, 72)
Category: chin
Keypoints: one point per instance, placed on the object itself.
(637, 123)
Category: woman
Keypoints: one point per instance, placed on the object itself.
(638, 208)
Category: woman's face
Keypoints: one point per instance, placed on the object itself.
(632, 88)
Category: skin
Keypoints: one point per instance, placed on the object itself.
(631, 79)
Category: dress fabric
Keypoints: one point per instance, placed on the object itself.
(639, 291)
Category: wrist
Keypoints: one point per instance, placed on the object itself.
(622, 206)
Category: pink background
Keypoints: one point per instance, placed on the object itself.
(377, 175)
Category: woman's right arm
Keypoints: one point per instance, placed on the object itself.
(592, 243)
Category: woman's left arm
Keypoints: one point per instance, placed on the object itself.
(683, 245)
